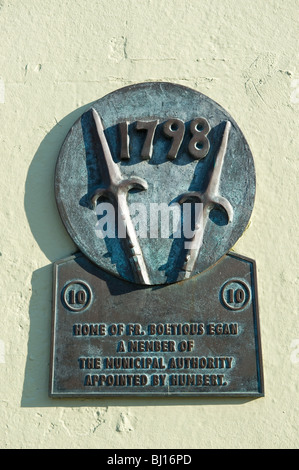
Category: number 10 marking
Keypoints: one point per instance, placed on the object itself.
(77, 296)
(235, 294)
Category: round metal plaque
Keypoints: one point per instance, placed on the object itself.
(151, 150)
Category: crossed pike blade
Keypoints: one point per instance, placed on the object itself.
(210, 199)
(116, 188)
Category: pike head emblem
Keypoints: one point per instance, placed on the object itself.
(116, 188)
(210, 199)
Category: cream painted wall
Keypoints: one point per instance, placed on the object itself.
(56, 58)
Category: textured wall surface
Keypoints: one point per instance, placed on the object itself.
(58, 57)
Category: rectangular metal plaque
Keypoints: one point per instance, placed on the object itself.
(115, 338)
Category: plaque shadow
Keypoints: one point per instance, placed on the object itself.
(39, 201)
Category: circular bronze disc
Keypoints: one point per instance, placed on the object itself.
(78, 176)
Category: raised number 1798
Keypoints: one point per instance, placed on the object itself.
(174, 129)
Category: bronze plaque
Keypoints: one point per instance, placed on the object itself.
(155, 184)
(112, 337)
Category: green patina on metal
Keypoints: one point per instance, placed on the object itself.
(168, 176)
(144, 312)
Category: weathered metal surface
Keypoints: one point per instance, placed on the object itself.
(139, 122)
(210, 198)
(116, 189)
(193, 338)
(187, 322)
